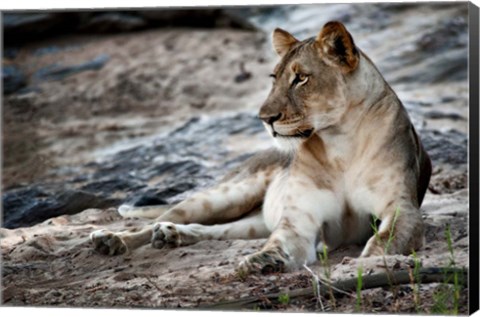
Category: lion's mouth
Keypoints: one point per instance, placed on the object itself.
(301, 134)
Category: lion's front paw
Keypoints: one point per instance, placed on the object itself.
(373, 248)
(107, 242)
(264, 262)
(165, 235)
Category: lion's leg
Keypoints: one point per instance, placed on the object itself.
(223, 203)
(115, 243)
(168, 234)
(229, 200)
(287, 249)
(294, 239)
(400, 231)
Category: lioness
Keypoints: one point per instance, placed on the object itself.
(346, 151)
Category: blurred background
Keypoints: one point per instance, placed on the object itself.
(146, 106)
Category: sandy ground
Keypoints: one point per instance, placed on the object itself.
(53, 264)
(93, 114)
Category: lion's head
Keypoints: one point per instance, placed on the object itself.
(310, 83)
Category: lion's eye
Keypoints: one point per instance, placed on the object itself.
(299, 79)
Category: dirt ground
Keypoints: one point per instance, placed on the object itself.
(54, 264)
(93, 114)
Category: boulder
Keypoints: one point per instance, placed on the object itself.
(158, 172)
(22, 27)
(112, 22)
(31, 205)
(13, 79)
(58, 72)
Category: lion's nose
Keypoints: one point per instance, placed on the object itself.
(269, 118)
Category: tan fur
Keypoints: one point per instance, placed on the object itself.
(282, 41)
(347, 151)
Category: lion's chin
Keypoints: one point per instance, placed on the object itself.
(289, 144)
(289, 141)
(304, 134)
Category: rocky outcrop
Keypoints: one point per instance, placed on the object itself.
(58, 72)
(182, 160)
(13, 79)
(192, 155)
(20, 27)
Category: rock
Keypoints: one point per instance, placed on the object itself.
(47, 50)
(20, 27)
(23, 27)
(28, 206)
(54, 49)
(451, 66)
(398, 7)
(27, 22)
(452, 33)
(442, 115)
(58, 72)
(112, 185)
(10, 53)
(244, 75)
(447, 147)
(183, 169)
(13, 79)
(444, 68)
(113, 22)
(146, 199)
(205, 18)
(160, 195)
(159, 172)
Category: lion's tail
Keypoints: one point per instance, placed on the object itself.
(150, 212)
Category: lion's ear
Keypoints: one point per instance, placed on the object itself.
(337, 46)
(282, 41)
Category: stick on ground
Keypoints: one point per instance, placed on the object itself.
(425, 276)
